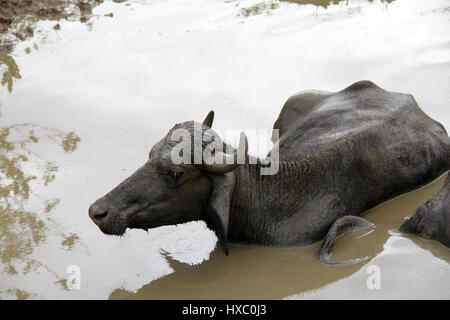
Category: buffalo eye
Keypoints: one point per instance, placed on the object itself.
(175, 174)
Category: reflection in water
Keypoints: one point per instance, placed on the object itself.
(70, 142)
(21, 168)
(326, 3)
(259, 8)
(405, 271)
(10, 70)
(274, 273)
(247, 273)
(319, 3)
(267, 6)
(70, 241)
(20, 294)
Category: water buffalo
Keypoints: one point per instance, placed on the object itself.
(432, 220)
(339, 155)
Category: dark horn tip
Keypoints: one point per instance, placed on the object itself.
(209, 119)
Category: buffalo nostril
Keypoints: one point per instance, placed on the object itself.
(100, 216)
(97, 212)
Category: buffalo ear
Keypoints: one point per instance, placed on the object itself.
(217, 215)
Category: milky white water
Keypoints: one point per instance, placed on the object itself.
(93, 98)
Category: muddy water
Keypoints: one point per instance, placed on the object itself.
(274, 273)
(82, 105)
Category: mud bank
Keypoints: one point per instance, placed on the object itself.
(18, 17)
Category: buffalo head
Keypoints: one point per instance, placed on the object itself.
(166, 192)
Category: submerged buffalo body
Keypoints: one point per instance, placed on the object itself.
(339, 154)
(432, 220)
